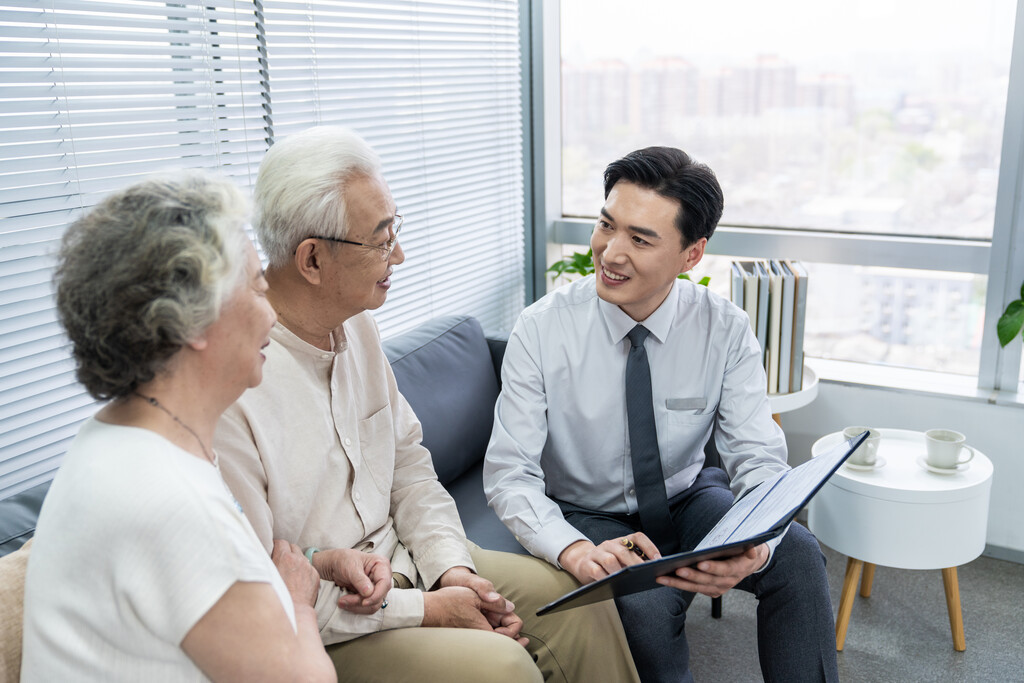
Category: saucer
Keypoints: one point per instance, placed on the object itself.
(942, 470)
(879, 463)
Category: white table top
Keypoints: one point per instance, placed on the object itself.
(902, 474)
(900, 514)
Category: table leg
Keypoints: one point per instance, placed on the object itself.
(866, 580)
(853, 568)
(956, 620)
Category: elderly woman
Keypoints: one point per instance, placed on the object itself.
(143, 566)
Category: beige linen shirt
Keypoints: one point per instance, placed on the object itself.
(326, 452)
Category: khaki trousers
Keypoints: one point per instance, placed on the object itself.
(579, 645)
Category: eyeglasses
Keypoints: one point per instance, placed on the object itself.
(384, 249)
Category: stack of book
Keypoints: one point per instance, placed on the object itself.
(774, 295)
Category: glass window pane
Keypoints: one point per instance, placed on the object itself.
(888, 122)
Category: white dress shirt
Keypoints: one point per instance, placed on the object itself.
(560, 421)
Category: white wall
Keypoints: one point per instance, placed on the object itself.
(997, 431)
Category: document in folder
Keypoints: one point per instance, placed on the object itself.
(759, 516)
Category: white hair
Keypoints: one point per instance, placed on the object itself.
(300, 189)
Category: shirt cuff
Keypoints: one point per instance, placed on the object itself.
(404, 610)
(549, 542)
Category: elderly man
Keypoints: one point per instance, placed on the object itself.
(326, 453)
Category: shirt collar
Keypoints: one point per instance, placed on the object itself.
(659, 323)
(284, 336)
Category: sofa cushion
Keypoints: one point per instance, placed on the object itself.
(481, 524)
(18, 515)
(12, 602)
(444, 369)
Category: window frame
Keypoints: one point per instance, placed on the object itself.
(1002, 259)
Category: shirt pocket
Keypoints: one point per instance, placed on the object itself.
(377, 445)
(688, 413)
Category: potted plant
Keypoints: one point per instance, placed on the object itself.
(1011, 322)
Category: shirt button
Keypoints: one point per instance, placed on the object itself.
(356, 495)
(348, 442)
(632, 492)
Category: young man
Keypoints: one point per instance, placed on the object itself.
(611, 388)
(326, 453)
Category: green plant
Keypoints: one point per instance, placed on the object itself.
(582, 263)
(1011, 322)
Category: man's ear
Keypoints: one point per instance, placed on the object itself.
(693, 254)
(308, 257)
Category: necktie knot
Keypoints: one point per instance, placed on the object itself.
(638, 335)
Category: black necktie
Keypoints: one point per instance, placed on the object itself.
(643, 445)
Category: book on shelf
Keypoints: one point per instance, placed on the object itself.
(786, 345)
(774, 328)
(736, 291)
(762, 311)
(773, 293)
(796, 381)
(749, 296)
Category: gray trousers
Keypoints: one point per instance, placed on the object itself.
(795, 627)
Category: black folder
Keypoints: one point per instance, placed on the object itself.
(761, 515)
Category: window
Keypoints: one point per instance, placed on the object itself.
(95, 94)
(871, 150)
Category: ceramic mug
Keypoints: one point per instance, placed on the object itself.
(867, 453)
(945, 447)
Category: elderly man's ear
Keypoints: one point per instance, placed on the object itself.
(308, 256)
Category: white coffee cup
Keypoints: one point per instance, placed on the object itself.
(867, 453)
(945, 447)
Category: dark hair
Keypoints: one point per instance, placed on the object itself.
(673, 174)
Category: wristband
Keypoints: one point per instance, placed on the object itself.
(310, 551)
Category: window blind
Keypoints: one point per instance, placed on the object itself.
(435, 88)
(94, 94)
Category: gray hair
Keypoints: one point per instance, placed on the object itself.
(300, 189)
(145, 272)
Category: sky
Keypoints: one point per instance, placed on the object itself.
(826, 32)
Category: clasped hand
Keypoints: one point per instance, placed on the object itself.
(463, 599)
(366, 577)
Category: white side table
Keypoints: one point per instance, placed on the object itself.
(900, 514)
(783, 403)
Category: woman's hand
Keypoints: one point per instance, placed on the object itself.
(299, 576)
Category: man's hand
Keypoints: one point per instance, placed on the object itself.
(714, 577)
(462, 576)
(365, 576)
(497, 610)
(589, 562)
(461, 607)
(302, 580)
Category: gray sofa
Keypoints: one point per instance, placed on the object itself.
(449, 373)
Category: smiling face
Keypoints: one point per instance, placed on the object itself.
(358, 277)
(237, 337)
(637, 249)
